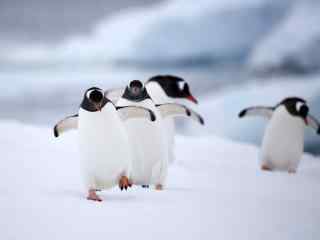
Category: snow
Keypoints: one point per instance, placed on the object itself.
(172, 31)
(293, 45)
(221, 110)
(215, 191)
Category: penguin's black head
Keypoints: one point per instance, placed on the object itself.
(174, 87)
(94, 99)
(136, 87)
(135, 91)
(297, 107)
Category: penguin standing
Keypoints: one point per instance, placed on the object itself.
(104, 144)
(163, 89)
(148, 139)
(168, 89)
(283, 142)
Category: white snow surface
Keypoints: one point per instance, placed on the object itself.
(166, 32)
(292, 43)
(215, 190)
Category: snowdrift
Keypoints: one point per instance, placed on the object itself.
(293, 45)
(176, 31)
(215, 191)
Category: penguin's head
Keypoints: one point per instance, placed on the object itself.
(135, 91)
(174, 87)
(94, 99)
(297, 107)
(135, 87)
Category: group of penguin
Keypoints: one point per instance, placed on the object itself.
(126, 135)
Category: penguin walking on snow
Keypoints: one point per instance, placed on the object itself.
(148, 139)
(283, 142)
(163, 89)
(104, 144)
(169, 89)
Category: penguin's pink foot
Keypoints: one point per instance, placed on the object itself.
(265, 167)
(292, 171)
(124, 183)
(159, 187)
(92, 195)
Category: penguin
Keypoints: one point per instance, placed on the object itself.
(163, 89)
(169, 89)
(148, 139)
(104, 144)
(283, 141)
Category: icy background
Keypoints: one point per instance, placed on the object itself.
(221, 47)
(234, 54)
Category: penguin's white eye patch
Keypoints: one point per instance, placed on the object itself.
(181, 85)
(299, 105)
(90, 91)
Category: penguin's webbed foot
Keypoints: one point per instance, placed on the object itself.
(292, 171)
(159, 187)
(124, 183)
(265, 167)
(92, 195)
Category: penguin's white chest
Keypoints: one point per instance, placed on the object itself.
(104, 147)
(282, 145)
(149, 145)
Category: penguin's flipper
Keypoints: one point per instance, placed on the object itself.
(128, 112)
(314, 123)
(257, 111)
(65, 125)
(114, 94)
(177, 110)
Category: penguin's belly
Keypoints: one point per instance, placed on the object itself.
(148, 141)
(103, 147)
(282, 145)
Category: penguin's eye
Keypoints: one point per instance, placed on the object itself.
(299, 105)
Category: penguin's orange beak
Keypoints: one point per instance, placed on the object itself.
(98, 106)
(306, 121)
(192, 99)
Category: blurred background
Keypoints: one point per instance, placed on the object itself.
(234, 54)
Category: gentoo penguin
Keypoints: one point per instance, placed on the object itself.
(148, 139)
(169, 89)
(282, 145)
(104, 144)
(163, 89)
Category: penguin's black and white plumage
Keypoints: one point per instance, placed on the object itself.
(148, 139)
(163, 89)
(283, 141)
(104, 143)
(169, 89)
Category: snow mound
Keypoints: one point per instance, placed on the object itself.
(293, 46)
(173, 31)
(215, 191)
(221, 112)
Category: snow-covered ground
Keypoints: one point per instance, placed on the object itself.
(215, 190)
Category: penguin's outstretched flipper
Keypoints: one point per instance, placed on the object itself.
(314, 123)
(177, 110)
(65, 125)
(129, 112)
(257, 111)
